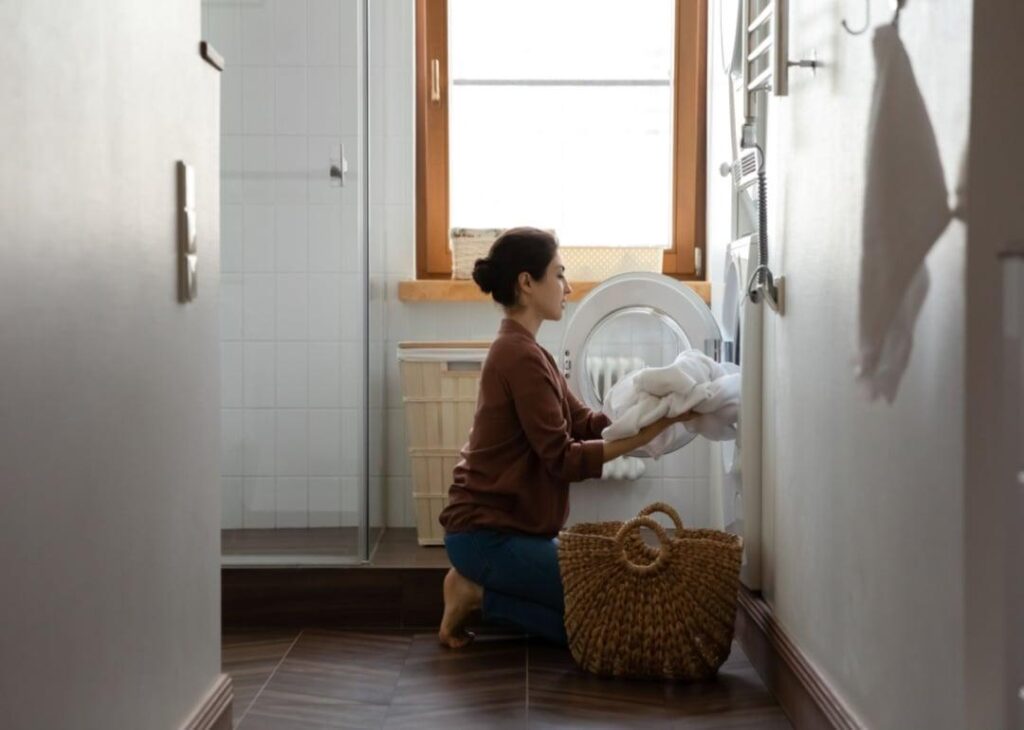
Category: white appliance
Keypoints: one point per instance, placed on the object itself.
(642, 319)
(631, 321)
(736, 494)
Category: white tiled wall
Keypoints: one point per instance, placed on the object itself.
(282, 356)
(292, 304)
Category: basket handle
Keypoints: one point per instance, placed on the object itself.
(664, 509)
(635, 524)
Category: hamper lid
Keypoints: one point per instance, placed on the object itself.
(455, 351)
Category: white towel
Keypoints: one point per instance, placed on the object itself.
(693, 382)
(905, 210)
(625, 468)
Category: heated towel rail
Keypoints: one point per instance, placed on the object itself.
(766, 63)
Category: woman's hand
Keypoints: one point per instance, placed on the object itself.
(687, 416)
(667, 421)
(613, 449)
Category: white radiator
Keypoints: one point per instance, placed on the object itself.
(604, 373)
(607, 371)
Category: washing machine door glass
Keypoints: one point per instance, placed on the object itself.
(627, 339)
(629, 322)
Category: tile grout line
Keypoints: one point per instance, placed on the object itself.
(394, 689)
(308, 272)
(272, 673)
(272, 69)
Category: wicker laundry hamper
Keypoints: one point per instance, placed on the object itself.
(634, 610)
(440, 381)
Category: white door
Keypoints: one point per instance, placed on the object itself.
(994, 452)
(1013, 424)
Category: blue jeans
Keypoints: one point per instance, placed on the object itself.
(519, 575)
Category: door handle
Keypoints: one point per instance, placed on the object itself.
(1012, 258)
(339, 168)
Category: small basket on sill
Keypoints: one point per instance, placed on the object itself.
(468, 245)
(582, 263)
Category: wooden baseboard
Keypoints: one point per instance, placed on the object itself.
(214, 713)
(801, 691)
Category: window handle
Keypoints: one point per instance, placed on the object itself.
(435, 80)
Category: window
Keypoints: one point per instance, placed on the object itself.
(573, 103)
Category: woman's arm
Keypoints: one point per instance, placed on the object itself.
(538, 404)
(537, 400)
(614, 449)
(586, 424)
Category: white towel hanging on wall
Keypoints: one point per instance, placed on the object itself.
(905, 211)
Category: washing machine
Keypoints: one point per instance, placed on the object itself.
(643, 319)
(631, 321)
(736, 489)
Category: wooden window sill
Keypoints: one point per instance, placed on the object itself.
(464, 290)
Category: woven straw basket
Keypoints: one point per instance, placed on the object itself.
(641, 611)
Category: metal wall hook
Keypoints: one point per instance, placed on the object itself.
(811, 63)
(896, 16)
(867, 20)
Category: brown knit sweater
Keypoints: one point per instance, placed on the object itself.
(531, 437)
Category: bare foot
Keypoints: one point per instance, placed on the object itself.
(461, 597)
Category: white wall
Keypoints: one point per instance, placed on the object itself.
(867, 567)
(293, 303)
(109, 505)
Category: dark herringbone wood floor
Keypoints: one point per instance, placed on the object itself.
(400, 679)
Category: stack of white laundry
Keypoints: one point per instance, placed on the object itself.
(694, 382)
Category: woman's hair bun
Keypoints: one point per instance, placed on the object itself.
(514, 252)
(483, 275)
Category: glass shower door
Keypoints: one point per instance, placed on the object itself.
(295, 280)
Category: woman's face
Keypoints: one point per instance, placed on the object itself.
(551, 292)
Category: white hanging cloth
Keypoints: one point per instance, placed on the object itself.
(905, 211)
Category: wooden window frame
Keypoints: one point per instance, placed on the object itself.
(433, 258)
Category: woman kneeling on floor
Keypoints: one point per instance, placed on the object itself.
(531, 438)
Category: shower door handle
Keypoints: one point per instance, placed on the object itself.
(339, 168)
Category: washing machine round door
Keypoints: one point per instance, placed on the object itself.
(632, 321)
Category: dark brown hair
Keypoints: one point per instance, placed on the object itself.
(513, 252)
